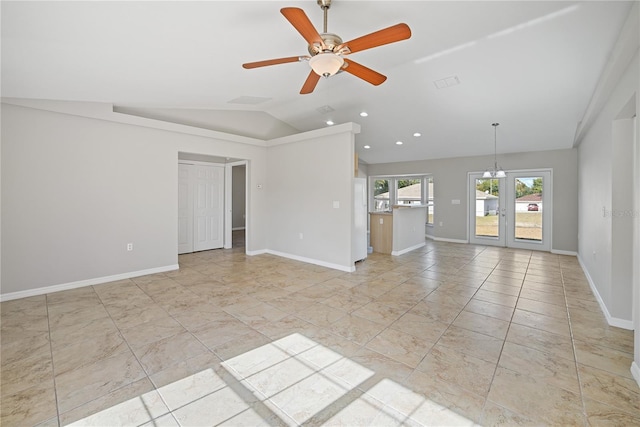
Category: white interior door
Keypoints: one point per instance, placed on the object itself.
(208, 208)
(200, 207)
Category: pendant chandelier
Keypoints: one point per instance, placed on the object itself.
(497, 172)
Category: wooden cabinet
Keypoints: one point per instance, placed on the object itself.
(381, 227)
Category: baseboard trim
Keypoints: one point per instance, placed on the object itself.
(404, 251)
(635, 371)
(562, 252)
(312, 261)
(82, 283)
(254, 253)
(444, 239)
(612, 321)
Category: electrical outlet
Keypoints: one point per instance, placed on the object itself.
(129, 247)
(440, 223)
(301, 236)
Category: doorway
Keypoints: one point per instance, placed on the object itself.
(514, 211)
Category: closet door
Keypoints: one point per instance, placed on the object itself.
(208, 207)
(200, 207)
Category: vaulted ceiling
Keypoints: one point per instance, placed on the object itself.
(532, 66)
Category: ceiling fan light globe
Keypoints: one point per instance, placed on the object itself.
(326, 64)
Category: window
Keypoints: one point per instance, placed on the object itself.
(402, 190)
(381, 195)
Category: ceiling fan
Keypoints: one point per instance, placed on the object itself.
(327, 51)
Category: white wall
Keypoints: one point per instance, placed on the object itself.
(605, 169)
(307, 174)
(450, 183)
(76, 190)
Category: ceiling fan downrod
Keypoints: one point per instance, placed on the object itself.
(325, 5)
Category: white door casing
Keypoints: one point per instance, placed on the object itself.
(185, 210)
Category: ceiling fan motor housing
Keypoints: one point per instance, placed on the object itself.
(331, 43)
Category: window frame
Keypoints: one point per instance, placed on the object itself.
(426, 198)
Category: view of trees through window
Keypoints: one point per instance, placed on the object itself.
(414, 190)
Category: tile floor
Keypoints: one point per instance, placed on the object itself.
(449, 334)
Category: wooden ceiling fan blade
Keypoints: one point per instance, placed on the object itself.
(388, 35)
(301, 22)
(366, 74)
(277, 61)
(310, 84)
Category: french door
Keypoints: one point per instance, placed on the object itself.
(514, 211)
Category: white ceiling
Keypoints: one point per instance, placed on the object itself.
(532, 66)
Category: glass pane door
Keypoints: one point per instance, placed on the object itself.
(486, 210)
(529, 208)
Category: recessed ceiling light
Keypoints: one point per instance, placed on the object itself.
(398, 142)
(367, 147)
(329, 123)
(417, 134)
(364, 114)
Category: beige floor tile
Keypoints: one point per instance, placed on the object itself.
(237, 306)
(535, 399)
(540, 321)
(347, 301)
(483, 324)
(151, 331)
(218, 332)
(29, 406)
(501, 288)
(129, 316)
(457, 368)
(240, 344)
(435, 311)
(212, 409)
(400, 346)
(472, 343)
(447, 299)
(556, 371)
(599, 414)
(260, 314)
(542, 308)
(420, 327)
(356, 329)
(379, 313)
(547, 297)
(321, 314)
(620, 392)
(496, 298)
(537, 339)
(27, 372)
(382, 366)
(496, 415)
(604, 358)
(89, 382)
(132, 404)
(445, 403)
(490, 309)
(161, 354)
(96, 347)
